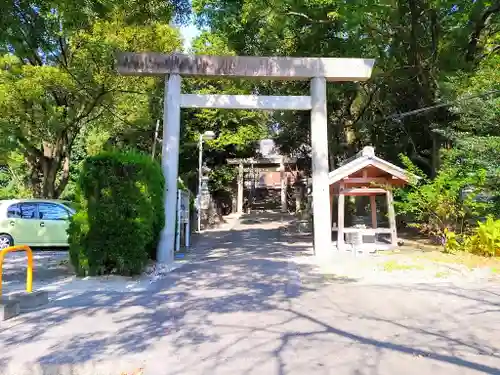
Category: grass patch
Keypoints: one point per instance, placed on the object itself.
(471, 261)
(441, 275)
(393, 265)
(418, 249)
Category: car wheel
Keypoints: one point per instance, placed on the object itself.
(5, 241)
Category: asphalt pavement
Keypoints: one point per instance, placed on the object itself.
(243, 307)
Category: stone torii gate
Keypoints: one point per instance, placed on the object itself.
(317, 70)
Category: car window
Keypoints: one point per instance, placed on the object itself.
(51, 211)
(71, 206)
(28, 210)
(14, 211)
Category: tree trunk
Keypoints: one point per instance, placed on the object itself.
(34, 176)
(64, 178)
(49, 168)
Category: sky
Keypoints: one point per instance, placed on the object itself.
(188, 33)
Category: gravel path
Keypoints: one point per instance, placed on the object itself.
(244, 306)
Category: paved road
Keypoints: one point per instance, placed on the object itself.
(243, 308)
(48, 268)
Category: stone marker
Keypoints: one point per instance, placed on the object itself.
(8, 309)
(28, 301)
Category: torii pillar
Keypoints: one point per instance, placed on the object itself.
(318, 70)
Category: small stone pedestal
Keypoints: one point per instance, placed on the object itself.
(8, 309)
(28, 301)
(304, 226)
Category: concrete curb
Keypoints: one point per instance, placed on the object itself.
(9, 309)
(21, 302)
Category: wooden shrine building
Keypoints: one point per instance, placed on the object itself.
(365, 175)
(265, 179)
(273, 173)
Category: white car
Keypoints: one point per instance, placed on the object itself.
(34, 222)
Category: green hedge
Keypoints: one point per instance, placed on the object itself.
(121, 214)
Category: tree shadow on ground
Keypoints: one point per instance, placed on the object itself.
(48, 266)
(239, 306)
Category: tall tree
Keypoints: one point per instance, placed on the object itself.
(416, 43)
(57, 77)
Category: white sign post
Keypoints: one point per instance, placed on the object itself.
(183, 216)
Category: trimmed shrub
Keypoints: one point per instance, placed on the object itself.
(120, 219)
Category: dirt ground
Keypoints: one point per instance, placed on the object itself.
(416, 261)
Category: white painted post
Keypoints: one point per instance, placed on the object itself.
(283, 185)
(188, 227)
(170, 164)
(319, 143)
(252, 189)
(179, 223)
(340, 218)
(240, 189)
(331, 192)
(200, 178)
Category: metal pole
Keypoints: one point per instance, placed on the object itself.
(188, 229)
(200, 176)
(179, 224)
(240, 188)
(252, 188)
(283, 185)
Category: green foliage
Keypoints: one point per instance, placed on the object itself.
(475, 129)
(452, 242)
(82, 257)
(222, 178)
(57, 78)
(480, 153)
(61, 99)
(478, 112)
(13, 177)
(121, 217)
(418, 46)
(236, 128)
(415, 174)
(486, 238)
(237, 131)
(444, 203)
(221, 184)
